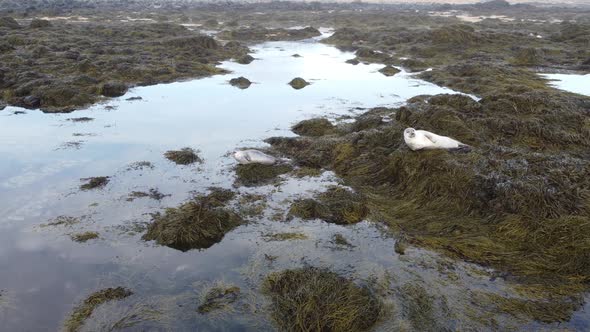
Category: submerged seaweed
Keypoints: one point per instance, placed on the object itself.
(85, 309)
(185, 156)
(336, 205)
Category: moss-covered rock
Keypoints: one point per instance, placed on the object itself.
(240, 82)
(313, 127)
(311, 299)
(298, 83)
(39, 24)
(389, 70)
(245, 60)
(113, 89)
(9, 22)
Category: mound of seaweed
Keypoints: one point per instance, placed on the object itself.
(336, 205)
(520, 201)
(196, 224)
(312, 299)
(251, 175)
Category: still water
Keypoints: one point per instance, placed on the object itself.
(44, 274)
(570, 82)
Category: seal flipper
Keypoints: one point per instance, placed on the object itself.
(463, 148)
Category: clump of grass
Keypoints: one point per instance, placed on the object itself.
(298, 83)
(84, 237)
(285, 236)
(218, 197)
(219, 298)
(95, 182)
(153, 193)
(311, 299)
(185, 156)
(196, 224)
(313, 127)
(336, 205)
(85, 309)
(258, 174)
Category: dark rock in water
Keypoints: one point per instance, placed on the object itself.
(38, 24)
(414, 65)
(113, 89)
(353, 61)
(2, 105)
(9, 22)
(296, 55)
(298, 83)
(240, 82)
(246, 59)
(134, 98)
(31, 101)
(389, 70)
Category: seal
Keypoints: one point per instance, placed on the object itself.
(425, 140)
(253, 157)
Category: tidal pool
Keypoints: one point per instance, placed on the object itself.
(44, 156)
(570, 82)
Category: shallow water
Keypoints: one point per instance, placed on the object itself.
(570, 82)
(44, 273)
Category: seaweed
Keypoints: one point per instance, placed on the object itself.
(285, 236)
(251, 175)
(312, 299)
(218, 298)
(336, 205)
(85, 309)
(84, 237)
(196, 224)
(96, 182)
(313, 127)
(184, 156)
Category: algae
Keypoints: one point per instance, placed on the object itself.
(184, 156)
(85, 309)
(312, 299)
(336, 205)
(251, 175)
(97, 182)
(196, 224)
(298, 83)
(218, 298)
(84, 237)
(313, 127)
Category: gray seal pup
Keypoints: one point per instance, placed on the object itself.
(425, 140)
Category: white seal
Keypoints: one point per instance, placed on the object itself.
(253, 157)
(425, 140)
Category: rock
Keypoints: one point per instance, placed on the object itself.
(389, 70)
(240, 82)
(38, 24)
(298, 83)
(296, 55)
(9, 22)
(113, 89)
(353, 61)
(246, 59)
(31, 101)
